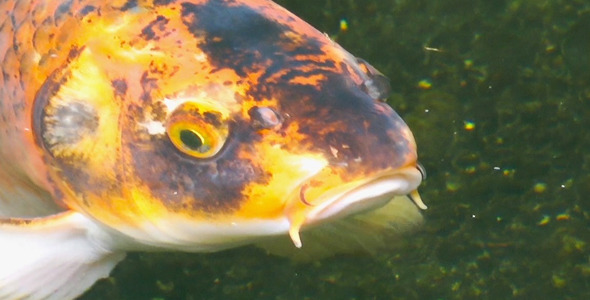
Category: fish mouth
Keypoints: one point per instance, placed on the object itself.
(352, 198)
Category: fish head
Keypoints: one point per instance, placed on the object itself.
(175, 117)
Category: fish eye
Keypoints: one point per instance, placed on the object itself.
(194, 134)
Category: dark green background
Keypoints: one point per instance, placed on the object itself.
(520, 71)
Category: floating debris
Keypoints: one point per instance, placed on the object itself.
(563, 217)
(546, 219)
(540, 187)
(343, 25)
(425, 84)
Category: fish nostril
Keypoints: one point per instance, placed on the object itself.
(376, 85)
(265, 118)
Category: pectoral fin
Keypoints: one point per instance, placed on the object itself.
(56, 257)
(368, 232)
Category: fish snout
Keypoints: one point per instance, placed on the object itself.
(370, 141)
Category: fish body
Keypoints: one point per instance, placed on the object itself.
(194, 125)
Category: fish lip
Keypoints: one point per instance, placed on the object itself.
(355, 197)
(368, 194)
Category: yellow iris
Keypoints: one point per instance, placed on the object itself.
(193, 135)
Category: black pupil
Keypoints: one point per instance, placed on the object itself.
(191, 140)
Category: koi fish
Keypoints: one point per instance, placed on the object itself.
(193, 125)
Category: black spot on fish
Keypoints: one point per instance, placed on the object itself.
(120, 87)
(237, 37)
(129, 5)
(74, 53)
(163, 2)
(147, 84)
(247, 40)
(159, 24)
(62, 10)
(87, 9)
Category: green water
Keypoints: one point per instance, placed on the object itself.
(502, 122)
